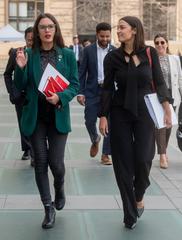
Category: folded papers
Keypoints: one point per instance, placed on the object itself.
(52, 81)
(156, 110)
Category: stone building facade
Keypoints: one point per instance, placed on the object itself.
(3, 10)
(72, 14)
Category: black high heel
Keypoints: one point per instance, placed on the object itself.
(140, 211)
(130, 225)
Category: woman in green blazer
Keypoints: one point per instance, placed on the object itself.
(46, 120)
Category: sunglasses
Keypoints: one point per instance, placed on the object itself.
(159, 42)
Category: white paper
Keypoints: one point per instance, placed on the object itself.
(156, 110)
(49, 71)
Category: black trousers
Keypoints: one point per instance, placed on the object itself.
(25, 141)
(132, 148)
(49, 147)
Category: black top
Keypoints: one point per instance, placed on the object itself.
(126, 84)
(45, 109)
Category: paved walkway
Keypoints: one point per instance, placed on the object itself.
(93, 209)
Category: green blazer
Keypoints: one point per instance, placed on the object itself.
(28, 79)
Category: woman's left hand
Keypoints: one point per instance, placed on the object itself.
(103, 126)
(54, 99)
(167, 115)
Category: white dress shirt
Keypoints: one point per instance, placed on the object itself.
(76, 51)
(101, 53)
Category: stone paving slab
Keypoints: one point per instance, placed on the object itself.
(23, 225)
(93, 209)
(158, 225)
(85, 202)
(90, 225)
(88, 180)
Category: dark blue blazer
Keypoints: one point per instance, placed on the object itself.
(80, 50)
(88, 71)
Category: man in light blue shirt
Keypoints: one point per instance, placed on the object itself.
(77, 49)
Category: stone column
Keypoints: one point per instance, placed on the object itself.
(179, 20)
(3, 10)
(121, 8)
(63, 11)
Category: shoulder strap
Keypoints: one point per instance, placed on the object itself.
(150, 62)
(149, 56)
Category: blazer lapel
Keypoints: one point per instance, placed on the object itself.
(60, 65)
(171, 64)
(111, 48)
(95, 57)
(36, 67)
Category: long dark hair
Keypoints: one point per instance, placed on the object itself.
(58, 38)
(165, 38)
(136, 24)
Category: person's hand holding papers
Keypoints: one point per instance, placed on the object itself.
(54, 99)
(167, 115)
(52, 82)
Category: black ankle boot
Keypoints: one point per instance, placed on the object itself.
(60, 198)
(49, 218)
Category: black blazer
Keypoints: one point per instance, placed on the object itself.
(15, 95)
(80, 51)
(116, 79)
(88, 71)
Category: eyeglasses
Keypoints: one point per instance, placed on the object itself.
(159, 42)
(49, 27)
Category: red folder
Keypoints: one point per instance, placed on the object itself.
(61, 82)
(54, 85)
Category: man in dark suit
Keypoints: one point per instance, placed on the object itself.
(86, 42)
(77, 49)
(91, 76)
(16, 97)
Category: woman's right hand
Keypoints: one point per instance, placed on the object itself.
(21, 58)
(167, 114)
(81, 100)
(103, 126)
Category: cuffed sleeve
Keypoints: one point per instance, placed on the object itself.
(108, 87)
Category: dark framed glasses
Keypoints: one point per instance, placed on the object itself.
(49, 27)
(159, 42)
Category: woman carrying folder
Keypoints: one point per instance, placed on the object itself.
(46, 120)
(128, 77)
(172, 73)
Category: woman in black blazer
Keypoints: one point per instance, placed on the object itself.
(128, 77)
